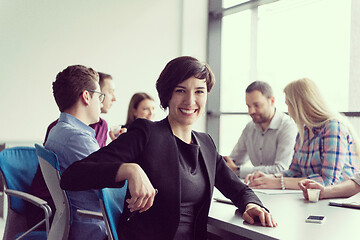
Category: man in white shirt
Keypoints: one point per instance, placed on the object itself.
(268, 140)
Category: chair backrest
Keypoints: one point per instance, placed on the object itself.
(50, 169)
(112, 205)
(17, 168)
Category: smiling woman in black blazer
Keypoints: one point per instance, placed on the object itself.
(181, 164)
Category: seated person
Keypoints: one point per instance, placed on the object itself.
(100, 127)
(268, 140)
(344, 189)
(77, 94)
(141, 105)
(38, 187)
(326, 150)
(167, 155)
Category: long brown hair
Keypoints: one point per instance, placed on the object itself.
(134, 103)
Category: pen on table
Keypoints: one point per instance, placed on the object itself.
(135, 212)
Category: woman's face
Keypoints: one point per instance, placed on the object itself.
(188, 101)
(145, 109)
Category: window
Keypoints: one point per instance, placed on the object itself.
(306, 39)
(280, 42)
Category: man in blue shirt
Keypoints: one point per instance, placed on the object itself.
(100, 127)
(38, 186)
(77, 94)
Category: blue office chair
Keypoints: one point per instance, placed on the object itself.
(112, 205)
(17, 168)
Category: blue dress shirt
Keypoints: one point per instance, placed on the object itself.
(72, 140)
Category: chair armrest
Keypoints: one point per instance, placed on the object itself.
(37, 202)
(27, 197)
(90, 214)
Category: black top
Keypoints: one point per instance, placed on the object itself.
(153, 146)
(193, 186)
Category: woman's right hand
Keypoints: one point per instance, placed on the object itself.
(141, 190)
(310, 184)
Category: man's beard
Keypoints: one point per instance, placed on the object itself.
(260, 119)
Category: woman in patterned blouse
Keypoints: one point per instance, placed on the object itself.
(326, 149)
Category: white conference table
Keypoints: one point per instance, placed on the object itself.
(290, 211)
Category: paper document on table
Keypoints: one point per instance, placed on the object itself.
(351, 202)
(276, 191)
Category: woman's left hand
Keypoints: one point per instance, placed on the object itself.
(254, 212)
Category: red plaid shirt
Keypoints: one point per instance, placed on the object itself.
(328, 157)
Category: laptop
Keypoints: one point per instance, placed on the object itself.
(351, 202)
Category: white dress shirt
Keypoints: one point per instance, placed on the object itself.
(269, 151)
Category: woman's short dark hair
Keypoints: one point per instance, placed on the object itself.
(71, 82)
(179, 70)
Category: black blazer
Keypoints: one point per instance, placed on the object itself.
(152, 145)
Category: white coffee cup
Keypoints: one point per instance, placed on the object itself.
(313, 194)
(116, 130)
